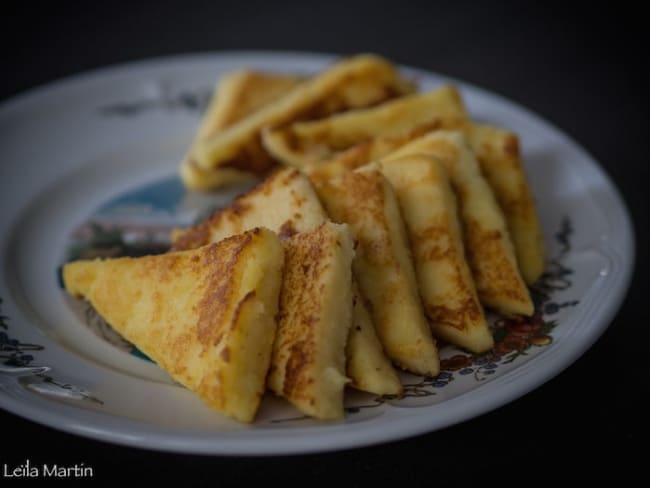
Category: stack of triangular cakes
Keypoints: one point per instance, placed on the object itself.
(394, 221)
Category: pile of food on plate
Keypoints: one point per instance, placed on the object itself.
(386, 219)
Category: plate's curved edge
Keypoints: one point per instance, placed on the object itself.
(621, 221)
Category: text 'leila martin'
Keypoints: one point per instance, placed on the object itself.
(28, 470)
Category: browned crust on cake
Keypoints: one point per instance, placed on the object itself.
(200, 234)
(499, 275)
(469, 311)
(305, 263)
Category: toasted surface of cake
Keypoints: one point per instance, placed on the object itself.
(445, 280)
(206, 316)
(308, 362)
(284, 202)
(366, 202)
(489, 250)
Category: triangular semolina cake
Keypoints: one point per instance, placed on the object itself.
(499, 153)
(206, 316)
(308, 363)
(284, 202)
(367, 365)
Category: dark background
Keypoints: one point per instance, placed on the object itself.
(581, 66)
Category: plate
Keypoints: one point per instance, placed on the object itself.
(89, 167)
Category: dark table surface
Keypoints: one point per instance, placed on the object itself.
(583, 68)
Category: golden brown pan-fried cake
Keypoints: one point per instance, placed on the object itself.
(354, 82)
(206, 316)
(488, 246)
(286, 203)
(365, 201)
(308, 365)
(237, 95)
(428, 206)
(303, 143)
(367, 365)
(498, 152)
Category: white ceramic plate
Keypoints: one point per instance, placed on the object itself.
(99, 151)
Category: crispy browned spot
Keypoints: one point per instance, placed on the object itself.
(239, 207)
(356, 156)
(225, 354)
(235, 316)
(439, 251)
(158, 305)
(511, 146)
(468, 312)
(195, 236)
(287, 230)
(299, 356)
(467, 309)
(221, 283)
(251, 158)
(494, 273)
(305, 263)
(178, 350)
